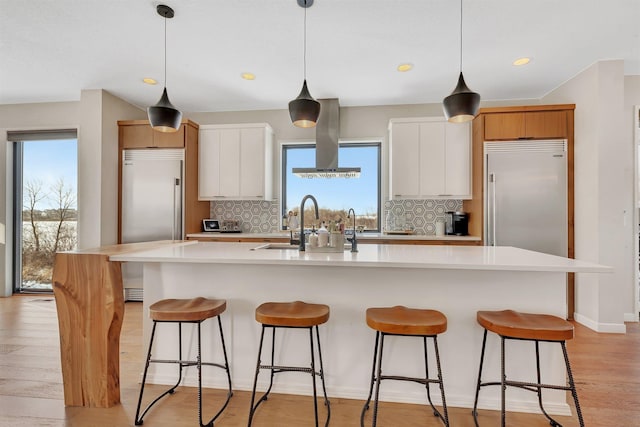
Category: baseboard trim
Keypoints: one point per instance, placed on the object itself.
(608, 328)
(631, 317)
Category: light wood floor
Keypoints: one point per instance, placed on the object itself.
(606, 369)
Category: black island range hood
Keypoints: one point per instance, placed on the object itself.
(327, 133)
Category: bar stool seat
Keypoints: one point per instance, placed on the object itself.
(407, 322)
(181, 311)
(510, 324)
(296, 315)
(542, 327)
(401, 320)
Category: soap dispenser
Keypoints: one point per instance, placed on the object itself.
(323, 236)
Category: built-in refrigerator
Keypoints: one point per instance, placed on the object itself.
(526, 195)
(151, 204)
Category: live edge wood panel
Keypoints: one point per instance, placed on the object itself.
(522, 122)
(138, 134)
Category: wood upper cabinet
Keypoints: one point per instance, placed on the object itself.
(430, 159)
(139, 134)
(525, 125)
(236, 162)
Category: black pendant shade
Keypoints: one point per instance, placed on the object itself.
(304, 110)
(462, 105)
(163, 116)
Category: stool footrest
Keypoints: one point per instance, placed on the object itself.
(528, 386)
(186, 363)
(277, 369)
(423, 381)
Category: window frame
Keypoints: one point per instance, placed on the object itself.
(306, 145)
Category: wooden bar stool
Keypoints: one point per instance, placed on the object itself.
(509, 324)
(411, 322)
(185, 311)
(297, 315)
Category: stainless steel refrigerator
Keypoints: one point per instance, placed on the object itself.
(526, 195)
(152, 204)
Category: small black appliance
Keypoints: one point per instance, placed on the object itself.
(457, 223)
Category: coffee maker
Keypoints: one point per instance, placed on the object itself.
(457, 223)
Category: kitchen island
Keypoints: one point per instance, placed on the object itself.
(457, 280)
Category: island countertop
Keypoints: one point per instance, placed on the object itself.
(492, 258)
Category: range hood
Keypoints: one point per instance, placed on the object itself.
(327, 130)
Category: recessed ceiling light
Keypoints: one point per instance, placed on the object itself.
(522, 61)
(405, 67)
(149, 81)
(248, 76)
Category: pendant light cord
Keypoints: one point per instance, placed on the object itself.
(304, 55)
(165, 50)
(461, 36)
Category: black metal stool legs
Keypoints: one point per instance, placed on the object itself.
(278, 369)
(182, 364)
(534, 387)
(139, 417)
(377, 377)
(437, 413)
(572, 385)
(479, 383)
(373, 380)
(324, 387)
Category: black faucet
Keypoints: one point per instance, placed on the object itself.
(354, 241)
(315, 204)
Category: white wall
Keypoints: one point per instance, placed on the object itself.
(604, 170)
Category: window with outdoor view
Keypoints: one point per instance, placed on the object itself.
(45, 209)
(335, 195)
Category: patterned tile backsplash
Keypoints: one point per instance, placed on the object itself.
(255, 216)
(264, 216)
(419, 215)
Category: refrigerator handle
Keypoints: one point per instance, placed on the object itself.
(176, 187)
(492, 207)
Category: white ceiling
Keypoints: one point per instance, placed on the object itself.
(51, 50)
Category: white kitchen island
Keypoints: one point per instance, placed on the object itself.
(457, 280)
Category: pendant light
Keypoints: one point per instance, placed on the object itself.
(164, 116)
(304, 110)
(462, 105)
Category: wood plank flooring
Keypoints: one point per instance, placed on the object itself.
(606, 369)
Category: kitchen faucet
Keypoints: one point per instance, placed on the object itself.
(354, 242)
(315, 204)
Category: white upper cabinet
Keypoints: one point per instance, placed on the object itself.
(430, 159)
(235, 162)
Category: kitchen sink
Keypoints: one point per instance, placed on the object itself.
(287, 246)
(280, 246)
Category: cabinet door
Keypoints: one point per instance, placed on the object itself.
(457, 142)
(136, 136)
(229, 163)
(169, 139)
(252, 172)
(546, 124)
(405, 161)
(504, 126)
(209, 164)
(432, 159)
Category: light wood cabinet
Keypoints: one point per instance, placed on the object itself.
(139, 134)
(236, 162)
(430, 159)
(525, 125)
